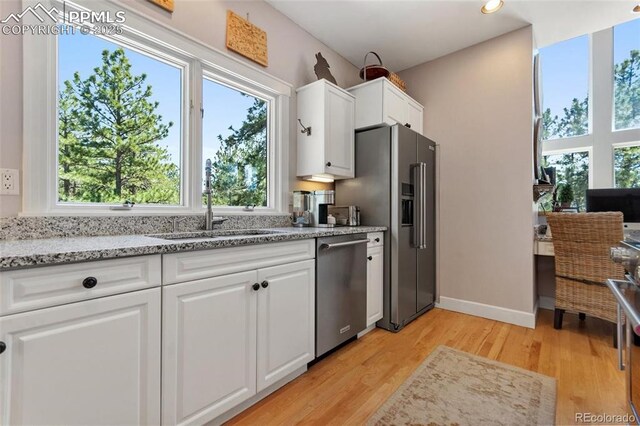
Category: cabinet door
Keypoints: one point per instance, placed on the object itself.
(340, 134)
(415, 116)
(286, 320)
(208, 347)
(395, 105)
(87, 363)
(375, 279)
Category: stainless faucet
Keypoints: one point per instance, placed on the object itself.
(209, 220)
(208, 217)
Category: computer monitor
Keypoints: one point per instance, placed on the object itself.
(625, 200)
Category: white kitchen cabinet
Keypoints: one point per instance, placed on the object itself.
(328, 152)
(286, 323)
(227, 338)
(209, 347)
(380, 102)
(86, 363)
(375, 278)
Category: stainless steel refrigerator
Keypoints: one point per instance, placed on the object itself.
(395, 187)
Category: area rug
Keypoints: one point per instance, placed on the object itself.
(456, 388)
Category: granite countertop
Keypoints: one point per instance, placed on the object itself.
(52, 251)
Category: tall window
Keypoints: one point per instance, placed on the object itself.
(119, 124)
(602, 151)
(565, 85)
(235, 138)
(626, 59)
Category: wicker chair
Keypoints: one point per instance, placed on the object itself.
(581, 243)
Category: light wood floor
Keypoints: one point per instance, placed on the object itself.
(348, 386)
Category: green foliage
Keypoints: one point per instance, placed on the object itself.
(627, 92)
(574, 122)
(626, 163)
(239, 167)
(108, 137)
(565, 193)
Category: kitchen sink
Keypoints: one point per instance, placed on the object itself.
(214, 235)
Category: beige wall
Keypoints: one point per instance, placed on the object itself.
(478, 107)
(291, 58)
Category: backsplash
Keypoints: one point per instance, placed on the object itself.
(21, 228)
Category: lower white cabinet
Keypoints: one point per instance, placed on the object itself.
(228, 337)
(86, 363)
(375, 277)
(209, 347)
(286, 320)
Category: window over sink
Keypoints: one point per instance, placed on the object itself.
(133, 115)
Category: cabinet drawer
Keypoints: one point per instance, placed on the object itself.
(375, 239)
(194, 265)
(27, 289)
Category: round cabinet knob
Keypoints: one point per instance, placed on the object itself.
(328, 163)
(3, 346)
(265, 284)
(377, 240)
(90, 282)
(256, 287)
(370, 257)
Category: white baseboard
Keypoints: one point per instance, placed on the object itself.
(547, 302)
(511, 316)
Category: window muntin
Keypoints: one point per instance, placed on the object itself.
(565, 88)
(572, 168)
(626, 75)
(626, 166)
(120, 127)
(235, 137)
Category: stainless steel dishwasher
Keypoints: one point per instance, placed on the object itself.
(341, 289)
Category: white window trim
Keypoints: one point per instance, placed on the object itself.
(40, 100)
(602, 138)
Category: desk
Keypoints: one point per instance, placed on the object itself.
(543, 248)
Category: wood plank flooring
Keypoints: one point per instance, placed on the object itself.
(348, 386)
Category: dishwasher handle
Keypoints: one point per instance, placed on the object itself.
(326, 246)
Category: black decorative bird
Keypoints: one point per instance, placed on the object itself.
(321, 69)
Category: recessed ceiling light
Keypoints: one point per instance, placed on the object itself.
(636, 9)
(492, 6)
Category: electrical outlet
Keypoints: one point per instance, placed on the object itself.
(9, 182)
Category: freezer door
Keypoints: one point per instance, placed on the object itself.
(403, 257)
(426, 256)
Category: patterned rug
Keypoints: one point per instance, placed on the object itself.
(456, 388)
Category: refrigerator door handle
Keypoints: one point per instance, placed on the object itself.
(420, 205)
(420, 209)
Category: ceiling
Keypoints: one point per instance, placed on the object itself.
(409, 32)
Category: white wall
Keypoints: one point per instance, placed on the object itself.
(291, 58)
(478, 108)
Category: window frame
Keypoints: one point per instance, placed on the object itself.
(602, 139)
(142, 33)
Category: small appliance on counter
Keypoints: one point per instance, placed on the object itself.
(346, 215)
(320, 202)
(301, 208)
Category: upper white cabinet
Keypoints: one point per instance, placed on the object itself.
(328, 152)
(86, 363)
(381, 102)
